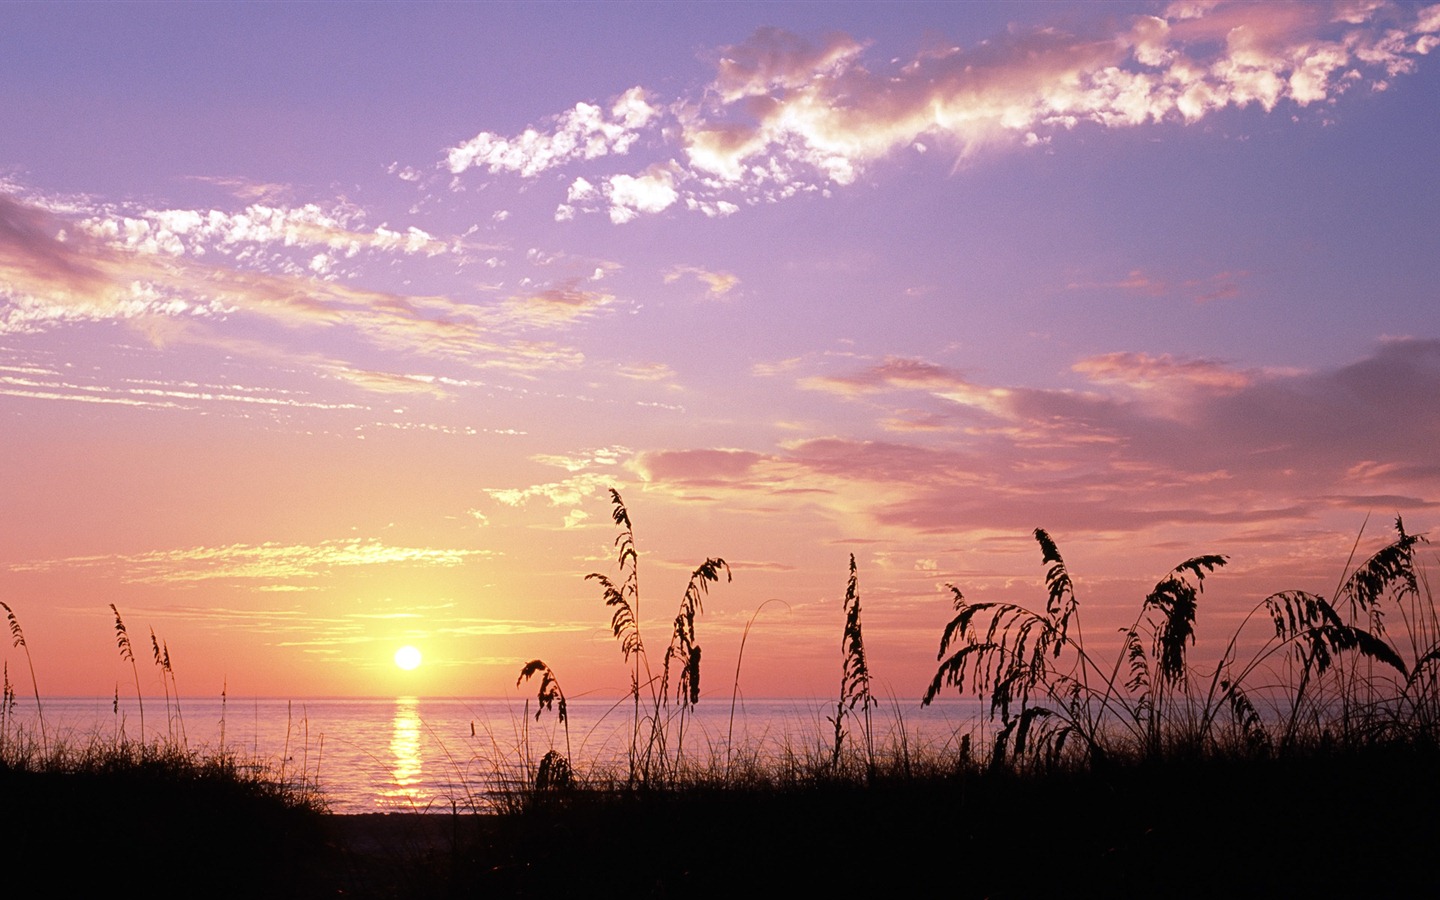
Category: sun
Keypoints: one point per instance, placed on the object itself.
(407, 657)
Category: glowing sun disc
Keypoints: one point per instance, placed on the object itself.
(407, 658)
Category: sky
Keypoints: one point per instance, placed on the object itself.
(327, 329)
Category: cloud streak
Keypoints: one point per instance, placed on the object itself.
(269, 562)
(43, 384)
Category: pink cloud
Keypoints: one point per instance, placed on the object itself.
(563, 303)
(1220, 286)
(694, 467)
(1243, 448)
(774, 59)
(1144, 371)
(898, 373)
(33, 258)
(918, 421)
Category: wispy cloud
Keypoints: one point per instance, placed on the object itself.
(572, 492)
(328, 633)
(584, 459)
(1151, 439)
(717, 284)
(650, 192)
(900, 374)
(697, 467)
(563, 303)
(1146, 371)
(44, 384)
(251, 562)
(1219, 286)
(653, 371)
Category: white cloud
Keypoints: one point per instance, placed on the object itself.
(261, 236)
(572, 492)
(650, 192)
(583, 132)
(581, 190)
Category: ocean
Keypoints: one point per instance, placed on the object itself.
(409, 754)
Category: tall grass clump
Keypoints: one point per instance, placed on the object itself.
(684, 654)
(554, 770)
(127, 654)
(624, 602)
(648, 751)
(1349, 678)
(1045, 687)
(174, 722)
(17, 640)
(1329, 671)
(7, 707)
(1316, 706)
(854, 677)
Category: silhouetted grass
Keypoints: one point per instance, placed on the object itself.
(854, 675)
(649, 755)
(1329, 671)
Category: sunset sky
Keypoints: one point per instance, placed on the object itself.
(325, 329)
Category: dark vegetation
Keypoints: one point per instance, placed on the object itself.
(1304, 760)
(119, 816)
(1337, 824)
(106, 820)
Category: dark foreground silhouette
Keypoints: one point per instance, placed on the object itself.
(114, 824)
(1340, 826)
(1334, 825)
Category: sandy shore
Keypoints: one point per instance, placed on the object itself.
(422, 833)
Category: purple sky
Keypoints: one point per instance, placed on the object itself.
(325, 328)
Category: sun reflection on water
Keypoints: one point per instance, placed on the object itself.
(405, 766)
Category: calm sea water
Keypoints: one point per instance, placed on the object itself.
(432, 754)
